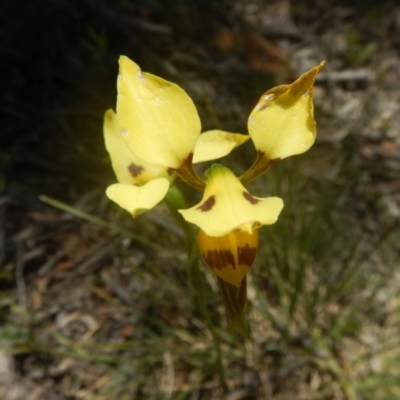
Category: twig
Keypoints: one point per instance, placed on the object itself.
(165, 224)
(96, 256)
(348, 75)
(19, 277)
(51, 261)
(100, 222)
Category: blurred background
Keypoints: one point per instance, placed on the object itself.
(90, 309)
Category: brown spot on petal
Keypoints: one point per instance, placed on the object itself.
(246, 255)
(250, 198)
(208, 204)
(219, 259)
(134, 169)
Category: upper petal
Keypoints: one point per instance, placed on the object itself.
(127, 167)
(282, 123)
(157, 119)
(228, 206)
(138, 199)
(216, 144)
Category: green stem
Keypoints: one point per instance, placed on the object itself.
(234, 301)
(197, 282)
(175, 200)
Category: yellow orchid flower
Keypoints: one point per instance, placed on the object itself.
(156, 134)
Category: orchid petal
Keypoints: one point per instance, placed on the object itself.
(157, 119)
(229, 256)
(215, 144)
(138, 199)
(127, 167)
(227, 206)
(282, 123)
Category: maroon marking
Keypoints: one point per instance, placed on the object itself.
(274, 160)
(246, 255)
(260, 154)
(186, 163)
(188, 174)
(134, 169)
(250, 198)
(219, 259)
(208, 204)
